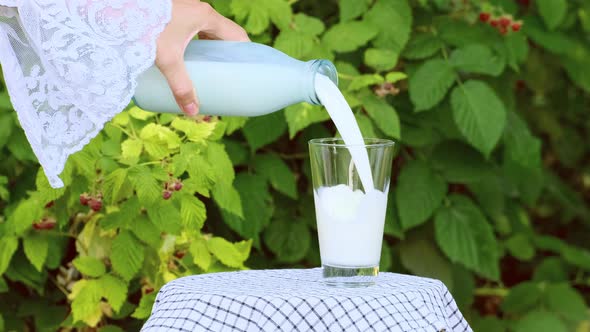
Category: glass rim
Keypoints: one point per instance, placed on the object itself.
(370, 142)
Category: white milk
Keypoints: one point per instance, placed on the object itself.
(334, 102)
(350, 225)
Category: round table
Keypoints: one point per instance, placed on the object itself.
(297, 300)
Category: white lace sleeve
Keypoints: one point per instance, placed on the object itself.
(71, 65)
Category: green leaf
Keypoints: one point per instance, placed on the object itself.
(349, 36)
(86, 295)
(26, 212)
(351, 9)
(140, 114)
(365, 125)
(148, 189)
(197, 132)
(234, 123)
(430, 83)
(257, 14)
(228, 199)
(114, 290)
(144, 309)
(277, 172)
(166, 216)
(459, 162)
(131, 150)
(300, 116)
(517, 49)
(418, 194)
(312, 26)
(520, 246)
(479, 114)
(422, 46)
(381, 59)
(127, 255)
(460, 33)
(222, 169)
(200, 253)
(116, 185)
(146, 230)
(363, 81)
(392, 226)
(288, 239)
(6, 127)
(192, 212)
(3, 286)
(489, 192)
(551, 269)
(393, 20)
(161, 135)
(294, 43)
(89, 266)
(465, 236)
(395, 77)
(127, 212)
(489, 324)
(553, 12)
(383, 114)
(8, 246)
(420, 256)
(263, 130)
(564, 300)
(477, 59)
(230, 254)
(520, 146)
(257, 206)
(36, 247)
(540, 321)
(554, 41)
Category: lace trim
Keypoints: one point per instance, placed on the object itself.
(18, 88)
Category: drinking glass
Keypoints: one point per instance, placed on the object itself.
(350, 218)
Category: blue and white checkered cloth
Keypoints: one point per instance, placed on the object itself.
(297, 300)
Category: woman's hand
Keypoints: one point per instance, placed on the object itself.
(190, 17)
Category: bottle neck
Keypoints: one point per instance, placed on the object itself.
(323, 67)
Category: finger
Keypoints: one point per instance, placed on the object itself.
(181, 85)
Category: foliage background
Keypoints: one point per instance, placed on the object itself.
(490, 192)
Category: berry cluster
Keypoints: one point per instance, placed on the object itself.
(94, 202)
(46, 223)
(503, 24)
(171, 186)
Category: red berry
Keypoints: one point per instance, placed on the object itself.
(166, 194)
(177, 185)
(520, 85)
(505, 22)
(207, 118)
(503, 31)
(46, 223)
(84, 198)
(179, 254)
(149, 290)
(49, 205)
(484, 17)
(516, 27)
(494, 23)
(524, 3)
(95, 204)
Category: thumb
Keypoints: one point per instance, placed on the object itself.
(181, 85)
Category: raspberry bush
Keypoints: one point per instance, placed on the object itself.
(487, 99)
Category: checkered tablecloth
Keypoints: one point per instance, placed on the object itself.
(297, 300)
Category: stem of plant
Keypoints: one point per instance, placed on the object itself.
(489, 291)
